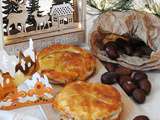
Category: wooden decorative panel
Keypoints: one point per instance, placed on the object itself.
(41, 20)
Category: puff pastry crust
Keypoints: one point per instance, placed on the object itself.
(89, 101)
(66, 63)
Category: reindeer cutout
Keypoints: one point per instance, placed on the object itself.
(41, 20)
(24, 16)
(15, 18)
(55, 17)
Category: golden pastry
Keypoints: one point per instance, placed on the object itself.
(66, 63)
(88, 101)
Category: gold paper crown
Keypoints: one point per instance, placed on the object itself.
(31, 92)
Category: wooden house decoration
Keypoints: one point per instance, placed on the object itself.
(58, 21)
(62, 14)
(34, 91)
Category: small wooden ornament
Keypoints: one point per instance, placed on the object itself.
(26, 65)
(7, 85)
(39, 91)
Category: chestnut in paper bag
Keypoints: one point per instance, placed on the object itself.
(136, 36)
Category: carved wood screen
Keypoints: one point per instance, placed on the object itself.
(41, 19)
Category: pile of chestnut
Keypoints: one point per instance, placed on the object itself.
(141, 117)
(134, 83)
(130, 47)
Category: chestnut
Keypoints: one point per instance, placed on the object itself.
(129, 87)
(136, 42)
(141, 117)
(123, 70)
(111, 50)
(109, 78)
(123, 79)
(145, 85)
(110, 66)
(121, 43)
(138, 75)
(138, 53)
(146, 50)
(139, 96)
(128, 50)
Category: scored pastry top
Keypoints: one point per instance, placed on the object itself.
(89, 101)
(66, 63)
